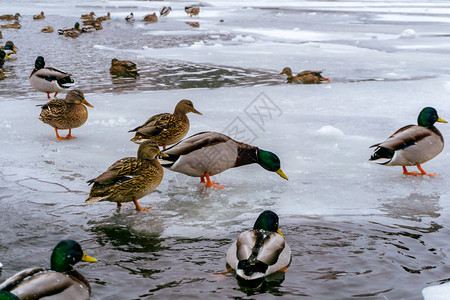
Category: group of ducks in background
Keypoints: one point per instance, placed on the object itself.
(257, 252)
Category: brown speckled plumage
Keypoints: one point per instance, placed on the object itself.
(304, 77)
(66, 113)
(166, 128)
(10, 17)
(123, 67)
(15, 25)
(129, 178)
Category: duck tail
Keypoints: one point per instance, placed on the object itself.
(382, 155)
(95, 199)
(249, 268)
(65, 82)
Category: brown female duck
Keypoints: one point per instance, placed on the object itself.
(305, 77)
(166, 129)
(66, 113)
(129, 178)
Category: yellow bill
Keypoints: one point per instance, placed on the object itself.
(441, 120)
(88, 258)
(279, 172)
(279, 232)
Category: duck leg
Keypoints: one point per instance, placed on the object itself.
(55, 95)
(210, 183)
(70, 136)
(138, 207)
(48, 95)
(405, 172)
(57, 135)
(202, 180)
(422, 171)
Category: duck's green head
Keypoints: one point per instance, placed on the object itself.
(10, 46)
(4, 295)
(428, 116)
(270, 162)
(39, 63)
(66, 254)
(268, 221)
(77, 26)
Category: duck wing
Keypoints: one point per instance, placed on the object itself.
(155, 125)
(12, 282)
(54, 108)
(405, 137)
(128, 166)
(50, 74)
(196, 142)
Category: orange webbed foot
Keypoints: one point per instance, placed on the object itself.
(138, 207)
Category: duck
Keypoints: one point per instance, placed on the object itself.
(129, 18)
(305, 77)
(209, 153)
(49, 80)
(412, 145)
(40, 16)
(15, 25)
(47, 29)
(61, 281)
(164, 11)
(129, 178)
(10, 49)
(105, 18)
(151, 18)
(166, 128)
(193, 24)
(89, 16)
(123, 67)
(261, 251)
(192, 10)
(91, 26)
(76, 29)
(10, 17)
(3, 55)
(66, 113)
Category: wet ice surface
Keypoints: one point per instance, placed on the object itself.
(356, 230)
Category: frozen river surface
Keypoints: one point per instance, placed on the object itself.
(357, 230)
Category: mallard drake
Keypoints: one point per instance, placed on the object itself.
(166, 129)
(305, 77)
(412, 145)
(15, 25)
(49, 80)
(192, 10)
(89, 16)
(3, 55)
(151, 18)
(66, 113)
(76, 28)
(164, 11)
(209, 153)
(123, 67)
(40, 16)
(10, 17)
(61, 281)
(129, 18)
(129, 178)
(10, 49)
(261, 251)
(47, 29)
(105, 18)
